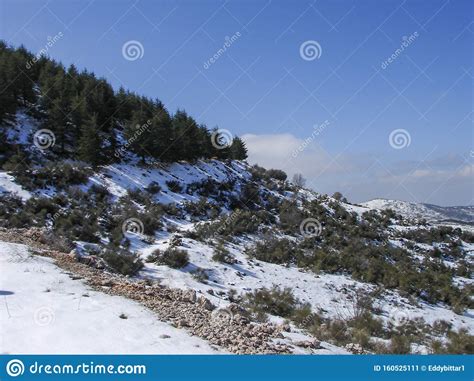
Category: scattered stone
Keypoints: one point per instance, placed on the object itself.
(355, 348)
(190, 296)
(310, 344)
(205, 303)
(285, 327)
(107, 283)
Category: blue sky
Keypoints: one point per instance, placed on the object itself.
(330, 117)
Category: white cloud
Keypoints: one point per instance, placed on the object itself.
(287, 152)
(445, 180)
(467, 171)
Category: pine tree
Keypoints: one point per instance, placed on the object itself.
(78, 113)
(238, 150)
(24, 79)
(90, 147)
(160, 134)
(8, 102)
(178, 126)
(137, 133)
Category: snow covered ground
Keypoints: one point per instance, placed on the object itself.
(247, 275)
(45, 310)
(8, 185)
(119, 178)
(333, 295)
(432, 213)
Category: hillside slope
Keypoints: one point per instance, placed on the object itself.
(331, 295)
(429, 212)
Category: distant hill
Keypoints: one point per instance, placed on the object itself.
(429, 212)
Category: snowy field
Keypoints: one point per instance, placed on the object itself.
(44, 310)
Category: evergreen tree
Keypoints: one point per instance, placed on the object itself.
(78, 113)
(238, 150)
(8, 102)
(160, 131)
(178, 128)
(137, 133)
(24, 79)
(90, 147)
(186, 141)
(67, 98)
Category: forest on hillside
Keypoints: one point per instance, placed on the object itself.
(93, 123)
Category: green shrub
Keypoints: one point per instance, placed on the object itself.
(139, 196)
(200, 275)
(335, 331)
(277, 174)
(205, 188)
(361, 337)
(237, 223)
(202, 208)
(99, 192)
(441, 327)
(399, 345)
(274, 250)
(172, 257)
(153, 188)
(123, 262)
(460, 342)
(290, 216)
(262, 174)
(221, 254)
(59, 175)
(12, 213)
(250, 196)
(274, 301)
(174, 186)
